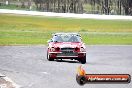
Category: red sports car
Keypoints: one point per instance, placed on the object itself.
(66, 46)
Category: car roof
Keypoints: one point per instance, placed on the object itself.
(75, 34)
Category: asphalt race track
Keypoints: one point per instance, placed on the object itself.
(28, 67)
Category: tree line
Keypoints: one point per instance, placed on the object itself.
(78, 6)
(63, 6)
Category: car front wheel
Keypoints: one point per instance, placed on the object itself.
(48, 57)
(83, 60)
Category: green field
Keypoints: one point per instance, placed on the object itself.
(24, 30)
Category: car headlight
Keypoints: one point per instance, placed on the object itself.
(77, 49)
(82, 49)
(52, 49)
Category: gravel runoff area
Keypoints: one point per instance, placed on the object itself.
(28, 67)
(52, 14)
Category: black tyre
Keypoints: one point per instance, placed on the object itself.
(83, 60)
(48, 57)
(81, 80)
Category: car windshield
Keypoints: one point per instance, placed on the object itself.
(66, 38)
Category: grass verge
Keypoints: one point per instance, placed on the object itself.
(21, 29)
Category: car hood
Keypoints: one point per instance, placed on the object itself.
(66, 44)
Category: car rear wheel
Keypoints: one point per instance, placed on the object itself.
(83, 60)
(48, 57)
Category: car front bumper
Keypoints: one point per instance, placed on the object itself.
(61, 55)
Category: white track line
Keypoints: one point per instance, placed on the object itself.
(67, 15)
(9, 80)
(13, 83)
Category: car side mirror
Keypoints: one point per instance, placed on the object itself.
(50, 41)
